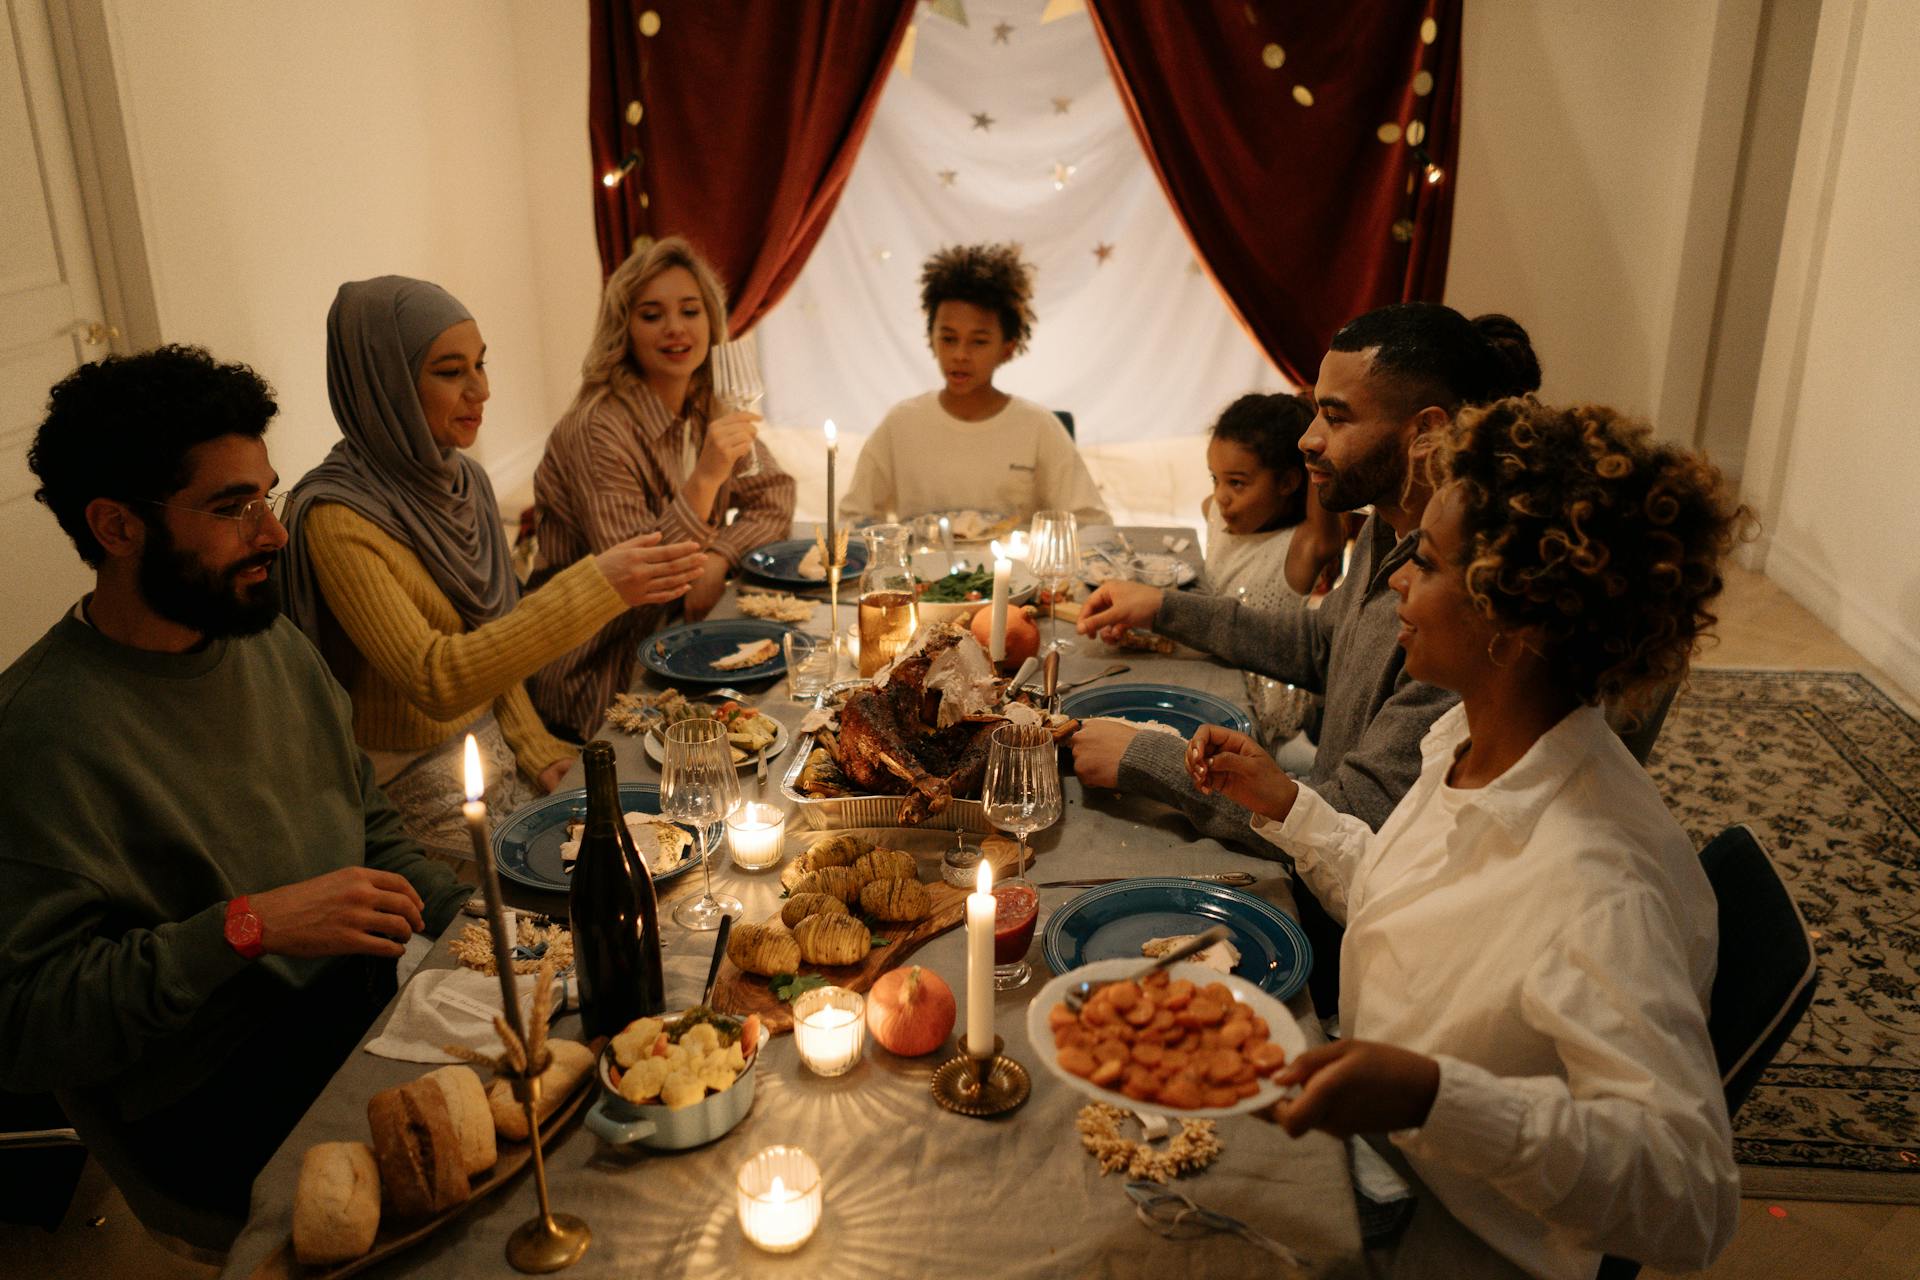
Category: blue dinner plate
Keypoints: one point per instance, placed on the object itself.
(526, 847)
(1113, 921)
(1183, 709)
(780, 562)
(687, 653)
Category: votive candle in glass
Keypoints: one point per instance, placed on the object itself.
(758, 834)
(830, 1029)
(779, 1198)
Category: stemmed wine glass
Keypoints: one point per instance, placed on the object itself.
(1022, 795)
(1053, 554)
(699, 787)
(737, 386)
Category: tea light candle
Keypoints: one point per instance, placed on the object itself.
(980, 909)
(758, 833)
(779, 1199)
(830, 1029)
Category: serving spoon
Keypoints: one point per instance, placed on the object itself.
(1080, 992)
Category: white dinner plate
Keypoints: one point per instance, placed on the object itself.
(1285, 1032)
(657, 752)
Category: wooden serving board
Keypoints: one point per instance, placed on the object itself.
(743, 993)
(391, 1239)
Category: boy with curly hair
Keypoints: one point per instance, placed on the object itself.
(970, 444)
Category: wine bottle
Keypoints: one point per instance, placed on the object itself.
(615, 915)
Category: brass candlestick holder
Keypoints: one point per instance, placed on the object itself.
(981, 1086)
(550, 1241)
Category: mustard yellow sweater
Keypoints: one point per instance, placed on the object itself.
(416, 675)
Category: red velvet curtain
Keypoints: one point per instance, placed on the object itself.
(750, 114)
(1302, 213)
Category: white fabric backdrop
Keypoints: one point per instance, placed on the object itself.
(1140, 349)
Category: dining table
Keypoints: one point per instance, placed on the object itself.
(910, 1189)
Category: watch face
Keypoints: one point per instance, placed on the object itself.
(243, 930)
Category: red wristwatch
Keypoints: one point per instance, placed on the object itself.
(243, 930)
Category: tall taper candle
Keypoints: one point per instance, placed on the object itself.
(980, 908)
(475, 812)
(833, 517)
(997, 638)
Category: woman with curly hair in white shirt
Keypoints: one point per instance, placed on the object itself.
(1530, 937)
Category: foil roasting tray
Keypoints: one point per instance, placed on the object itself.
(835, 813)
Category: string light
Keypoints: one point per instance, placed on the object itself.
(613, 177)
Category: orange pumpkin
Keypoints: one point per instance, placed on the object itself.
(1023, 634)
(911, 1011)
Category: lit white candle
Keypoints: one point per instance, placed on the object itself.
(830, 1029)
(980, 909)
(504, 934)
(779, 1199)
(758, 834)
(1002, 574)
(833, 518)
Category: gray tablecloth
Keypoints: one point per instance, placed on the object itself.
(910, 1188)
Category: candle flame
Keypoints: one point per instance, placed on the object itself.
(985, 878)
(999, 552)
(833, 432)
(779, 1189)
(476, 781)
(1017, 545)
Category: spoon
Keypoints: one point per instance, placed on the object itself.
(1078, 994)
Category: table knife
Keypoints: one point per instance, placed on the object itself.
(1236, 878)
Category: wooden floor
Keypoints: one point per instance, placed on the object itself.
(1760, 626)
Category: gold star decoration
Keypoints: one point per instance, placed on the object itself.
(951, 10)
(1062, 105)
(947, 176)
(983, 122)
(1001, 32)
(1057, 9)
(1103, 251)
(1062, 172)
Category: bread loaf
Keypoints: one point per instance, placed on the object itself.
(571, 1063)
(417, 1150)
(472, 1118)
(336, 1207)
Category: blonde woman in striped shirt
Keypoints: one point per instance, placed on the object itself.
(643, 451)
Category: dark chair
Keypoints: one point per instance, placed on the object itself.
(1640, 733)
(1066, 420)
(40, 1160)
(1765, 975)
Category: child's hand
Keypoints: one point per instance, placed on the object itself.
(730, 438)
(1115, 606)
(1229, 763)
(1357, 1086)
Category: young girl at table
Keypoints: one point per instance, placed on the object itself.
(1530, 937)
(970, 445)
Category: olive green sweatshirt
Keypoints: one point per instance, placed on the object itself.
(139, 792)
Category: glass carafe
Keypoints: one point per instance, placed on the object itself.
(889, 600)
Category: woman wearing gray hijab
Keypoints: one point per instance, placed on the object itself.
(399, 568)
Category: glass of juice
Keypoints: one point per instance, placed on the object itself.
(1016, 909)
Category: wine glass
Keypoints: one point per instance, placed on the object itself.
(1053, 553)
(699, 787)
(1022, 795)
(737, 386)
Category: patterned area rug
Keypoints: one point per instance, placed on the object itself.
(1826, 769)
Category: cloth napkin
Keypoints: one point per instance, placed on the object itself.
(452, 1006)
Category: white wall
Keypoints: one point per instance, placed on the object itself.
(1834, 461)
(280, 149)
(1597, 150)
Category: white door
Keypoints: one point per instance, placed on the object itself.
(49, 303)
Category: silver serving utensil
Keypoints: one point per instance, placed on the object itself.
(1024, 674)
(728, 691)
(1113, 670)
(1050, 681)
(1238, 879)
(1080, 992)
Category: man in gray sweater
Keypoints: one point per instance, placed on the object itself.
(1392, 376)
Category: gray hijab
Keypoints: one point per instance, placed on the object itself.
(436, 501)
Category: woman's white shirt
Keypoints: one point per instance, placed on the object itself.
(1550, 940)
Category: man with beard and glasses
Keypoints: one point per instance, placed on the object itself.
(1390, 377)
(202, 893)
